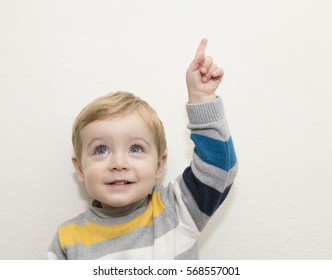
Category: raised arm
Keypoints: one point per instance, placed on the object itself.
(212, 171)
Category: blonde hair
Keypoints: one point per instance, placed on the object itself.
(115, 104)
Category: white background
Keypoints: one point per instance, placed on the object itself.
(56, 56)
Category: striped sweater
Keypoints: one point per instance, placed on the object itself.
(167, 224)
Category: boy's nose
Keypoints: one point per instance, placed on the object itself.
(118, 162)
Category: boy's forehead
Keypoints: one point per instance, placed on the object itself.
(130, 125)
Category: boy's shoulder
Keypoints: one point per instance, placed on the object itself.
(78, 219)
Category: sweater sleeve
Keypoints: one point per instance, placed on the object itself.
(206, 182)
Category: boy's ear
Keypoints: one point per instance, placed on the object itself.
(78, 168)
(161, 166)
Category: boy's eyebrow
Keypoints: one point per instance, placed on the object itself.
(94, 139)
(141, 139)
(132, 138)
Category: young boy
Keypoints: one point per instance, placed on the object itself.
(120, 152)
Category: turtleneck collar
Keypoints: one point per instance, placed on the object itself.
(117, 212)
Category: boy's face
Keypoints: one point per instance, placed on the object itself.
(119, 162)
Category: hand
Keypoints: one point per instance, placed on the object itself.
(203, 76)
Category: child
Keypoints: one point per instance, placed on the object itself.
(120, 152)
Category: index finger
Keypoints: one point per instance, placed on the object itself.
(201, 48)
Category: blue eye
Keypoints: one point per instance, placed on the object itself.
(136, 149)
(101, 150)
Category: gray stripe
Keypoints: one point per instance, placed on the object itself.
(217, 130)
(214, 122)
(212, 176)
(204, 113)
(198, 216)
(190, 254)
(56, 249)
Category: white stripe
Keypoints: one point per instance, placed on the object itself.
(161, 250)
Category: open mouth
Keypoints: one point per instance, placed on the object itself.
(121, 183)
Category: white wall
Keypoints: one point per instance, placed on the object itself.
(55, 56)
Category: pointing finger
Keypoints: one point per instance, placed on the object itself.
(201, 49)
(199, 56)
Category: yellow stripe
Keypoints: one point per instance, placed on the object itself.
(91, 232)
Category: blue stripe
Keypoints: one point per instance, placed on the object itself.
(208, 199)
(217, 153)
